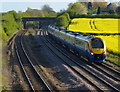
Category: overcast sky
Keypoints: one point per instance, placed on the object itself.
(22, 5)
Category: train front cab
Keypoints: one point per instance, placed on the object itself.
(96, 58)
(97, 50)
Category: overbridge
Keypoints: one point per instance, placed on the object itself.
(42, 21)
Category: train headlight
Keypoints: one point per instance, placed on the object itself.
(104, 53)
(91, 53)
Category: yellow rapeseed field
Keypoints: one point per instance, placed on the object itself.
(99, 25)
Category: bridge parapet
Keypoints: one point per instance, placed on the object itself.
(43, 21)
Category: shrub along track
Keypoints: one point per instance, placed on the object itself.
(95, 73)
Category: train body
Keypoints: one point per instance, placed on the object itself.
(91, 48)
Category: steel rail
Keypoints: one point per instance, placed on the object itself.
(103, 71)
(11, 40)
(45, 83)
(19, 59)
(105, 82)
(111, 69)
(74, 69)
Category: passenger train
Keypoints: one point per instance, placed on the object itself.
(93, 49)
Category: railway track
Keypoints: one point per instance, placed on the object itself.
(108, 67)
(82, 67)
(10, 42)
(35, 81)
(104, 69)
(10, 46)
(85, 78)
(112, 73)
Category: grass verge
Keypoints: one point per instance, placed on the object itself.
(113, 58)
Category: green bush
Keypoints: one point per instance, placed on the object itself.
(11, 22)
(63, 20)
(77, 8)
(4, 36)
(97, 16)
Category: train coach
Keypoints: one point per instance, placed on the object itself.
(91, 48)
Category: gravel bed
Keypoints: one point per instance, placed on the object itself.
(34, 78)
(96, 70)
(56, 72)
(98, 73)
(60, 75)
(16, 76)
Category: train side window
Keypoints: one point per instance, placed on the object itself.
(79, 43)
(67, 37)
(86, 46)
(83, 45)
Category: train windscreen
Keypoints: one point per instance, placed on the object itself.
(97, 43)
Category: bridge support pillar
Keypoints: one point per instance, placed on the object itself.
(24, 24)
(39, 25)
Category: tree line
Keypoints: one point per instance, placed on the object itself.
(11, 21)
(87, 10)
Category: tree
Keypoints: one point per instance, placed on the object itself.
(47, 8)
(70, 4)
(35, 12)
(48, 11)
(63, 20)
(118, 10)
(65, 14)
(95, 3)
(11, 23)
(111, 7)
(111, 12)
(77, 9)
(61, 12)
(119, 3)
(89, 5)
(4, 35)
(99, 10)
(102, 4)
(91, 10)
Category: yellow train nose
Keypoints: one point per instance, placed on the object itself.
(97, 51)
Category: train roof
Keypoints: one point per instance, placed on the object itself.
(78, 35)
